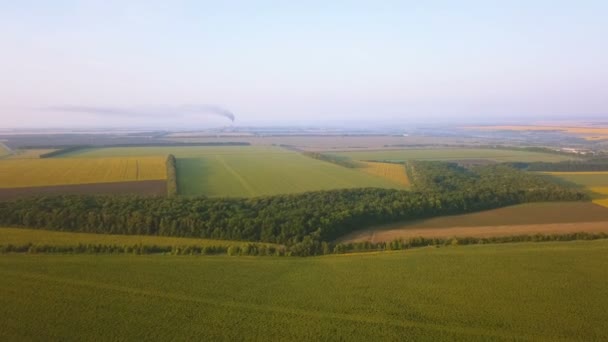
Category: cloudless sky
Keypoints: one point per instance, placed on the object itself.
(304, 61)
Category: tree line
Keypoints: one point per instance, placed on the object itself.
(302, 222)
(171, 176)
(253, 249)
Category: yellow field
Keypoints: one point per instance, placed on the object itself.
(589, 133)
(30, 153)
(49, 172)
(594, 181)
(602, 202)
(393, 172)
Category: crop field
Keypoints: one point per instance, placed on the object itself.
(320, 143)
(453, 154)
(595, 182)
(481, 292)
(390, 171)
(143, 188)
(246, 171)
(588, 133)
(586, 179)
(50, 172)
(523, 219)
(30, 153)
(23, 236)
(3, 150)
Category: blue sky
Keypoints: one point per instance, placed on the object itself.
(303, 62)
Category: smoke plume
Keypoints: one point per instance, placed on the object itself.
(147, 112)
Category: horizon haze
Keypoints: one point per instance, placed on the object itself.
(300, 64)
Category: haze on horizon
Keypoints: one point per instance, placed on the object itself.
(300, 63)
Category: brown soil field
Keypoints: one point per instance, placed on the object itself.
(144, 188)
(484, 231)
(514, 220)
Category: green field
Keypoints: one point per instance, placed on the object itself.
(453, 154)
(595, 182)
(585, 179)
(542, 291)
(22, 236)
(245, 171)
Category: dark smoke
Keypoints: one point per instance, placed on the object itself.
(158, 111)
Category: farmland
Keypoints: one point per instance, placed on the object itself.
(588, 133)
(30, 153)
(472, 293)
(51, 172)
(390, 171)
(143, 188)
(523, 219)
(448, 154)
(21, 236)
(595, 182)
(247, 171)
(4, 151)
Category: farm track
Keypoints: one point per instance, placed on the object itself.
(146, 188)
(236, 175)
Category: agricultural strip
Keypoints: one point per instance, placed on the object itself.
(455, 154)
(4, 150)
(477, 232)
(439, 294)
(595, 182)
(246, 171)
(393, 172)
(524, 219)
(589, 133)
(30, 153)
(144, 188)
(51, 172)
(23, 236)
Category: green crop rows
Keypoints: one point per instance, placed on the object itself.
(547, 291)
(247, 171)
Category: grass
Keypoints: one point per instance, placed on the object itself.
(246, 171)
(49, 172)
(548, 291)
(22, 236)
(453, 154)
(393, 172)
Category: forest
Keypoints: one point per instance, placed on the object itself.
(302, 222)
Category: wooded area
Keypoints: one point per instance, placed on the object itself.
(302, 222)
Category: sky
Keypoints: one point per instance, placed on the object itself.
(130, 63)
